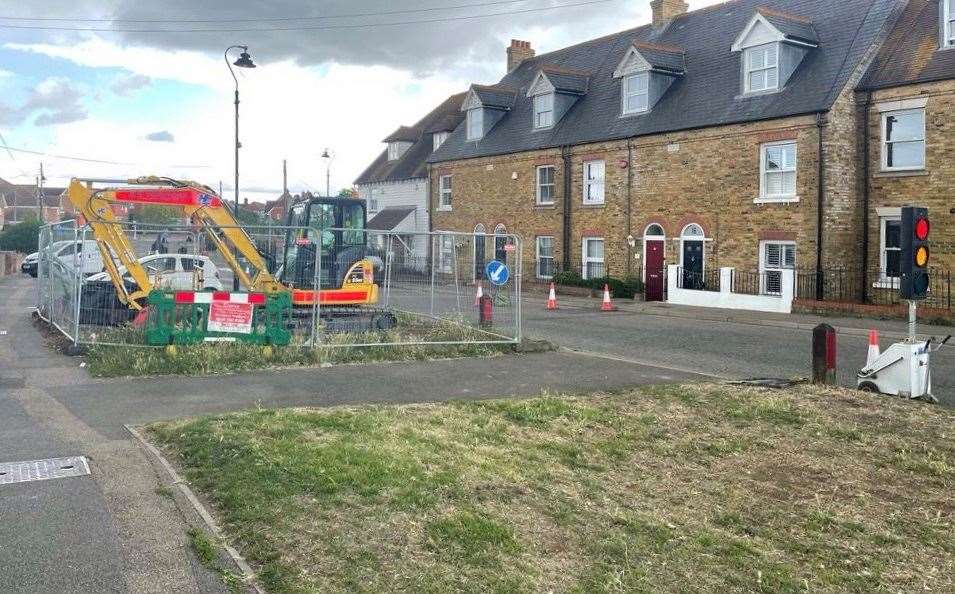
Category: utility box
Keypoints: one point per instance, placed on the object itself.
(902, 370)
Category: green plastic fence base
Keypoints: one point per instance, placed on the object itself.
(183, 324)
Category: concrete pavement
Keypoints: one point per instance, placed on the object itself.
(111, 531)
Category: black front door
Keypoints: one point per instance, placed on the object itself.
(693, 265)
(479, 261)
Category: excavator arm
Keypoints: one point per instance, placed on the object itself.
(195, 200)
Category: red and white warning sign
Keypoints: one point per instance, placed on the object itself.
(231, 317)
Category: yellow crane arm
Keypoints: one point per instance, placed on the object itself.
(195, 200)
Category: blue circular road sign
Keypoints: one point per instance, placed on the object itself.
(497, 273)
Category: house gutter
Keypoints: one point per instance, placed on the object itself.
(567, 160)
(866, 114)
(820, 206)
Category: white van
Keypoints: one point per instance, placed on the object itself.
(83, 254)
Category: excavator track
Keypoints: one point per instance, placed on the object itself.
(347, 319)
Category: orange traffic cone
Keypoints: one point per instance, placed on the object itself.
(607, 304)
(873, 347)
(552, 299)
(479, 294)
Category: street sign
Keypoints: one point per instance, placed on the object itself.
(233, 318)
(497, 273)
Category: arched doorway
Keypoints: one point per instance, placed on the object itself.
(479, 259)
(691, 256)
(654, 255)
(500, 243)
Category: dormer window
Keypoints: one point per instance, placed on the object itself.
(636, 93)
(554, 91)
(475, 123)
(544, 111)
(439, 138)
(771, 47)
(762, 68)
(484, 107)
(948, 22)
(394, 151)
(646, 72)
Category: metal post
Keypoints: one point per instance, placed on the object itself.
(454, 263)
(824, 355)
(389, 262)
(78, 288)
(235, 278)
(317, 288)
(913, 314)
(518, 282)
(437, 256)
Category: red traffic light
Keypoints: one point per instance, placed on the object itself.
(922, 229)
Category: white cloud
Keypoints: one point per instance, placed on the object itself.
(287, 112)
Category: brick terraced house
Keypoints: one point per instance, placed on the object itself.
(395, 186)
(731, 136)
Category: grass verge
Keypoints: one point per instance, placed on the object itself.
(681, 488)
(212, 358)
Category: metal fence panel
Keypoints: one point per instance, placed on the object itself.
(426, 283)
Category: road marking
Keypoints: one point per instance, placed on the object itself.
(642, 363)
(43, 470)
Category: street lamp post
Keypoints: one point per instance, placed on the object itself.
(244, 61)
(328, 158)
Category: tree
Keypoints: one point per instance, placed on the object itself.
(154, 214)
(348, 193)
(23, 237)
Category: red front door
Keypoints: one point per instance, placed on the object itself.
(655, 274)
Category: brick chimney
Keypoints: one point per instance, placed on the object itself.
(517, 53)
(665, 11)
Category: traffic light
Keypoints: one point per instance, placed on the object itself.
(915, 253)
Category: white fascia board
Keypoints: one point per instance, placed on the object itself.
(632, 63)
(472, 101)
(769, 36)
(541, 85)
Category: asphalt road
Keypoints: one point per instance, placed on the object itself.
(721, 348)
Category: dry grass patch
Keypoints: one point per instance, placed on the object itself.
(679, 488)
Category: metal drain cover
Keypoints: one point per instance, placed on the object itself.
(43, 470)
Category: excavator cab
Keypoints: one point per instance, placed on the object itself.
(327, 240)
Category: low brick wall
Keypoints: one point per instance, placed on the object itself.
(861, 310)
(10, 263)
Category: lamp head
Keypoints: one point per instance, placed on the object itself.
(245, 60)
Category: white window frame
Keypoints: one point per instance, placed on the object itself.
(538, 257)
(585, 261)
(749, 70)
(475, 119)
(540, 185)
(592, 182)
(764, 173)
(444, 192)
(627, 93)
(543, 111)
(948, 24)
(480, 235)
(394, 151)
(500, 239)
(885, 280)
(439, 138)
(765, 267)
(885, 140)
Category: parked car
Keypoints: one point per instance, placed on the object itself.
(176, 272)
(84, 254)
(30, 264)
(100, 305)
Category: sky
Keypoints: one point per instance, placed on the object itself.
(142, 88)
